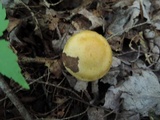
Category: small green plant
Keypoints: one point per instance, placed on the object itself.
(8, 59)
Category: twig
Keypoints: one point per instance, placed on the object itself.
(75, 116)
(60, 87)
(51, 4)
(25, 59)
(19, 89)
(6, 89)
(33, 15)
(71, 117)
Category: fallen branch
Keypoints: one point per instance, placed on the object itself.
(9, 93)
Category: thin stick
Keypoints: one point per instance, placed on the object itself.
(33, 15)
(7, 90)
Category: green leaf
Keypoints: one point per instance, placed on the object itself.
(3, 22)
(9, 65)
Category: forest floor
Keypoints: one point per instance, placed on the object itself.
(38, 31)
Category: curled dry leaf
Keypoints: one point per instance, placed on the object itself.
(55, 66)
(13, 29)
(13, 35)
(146, 8)
(96, 21)
(58, 45)
(71, 80)
(126, 19)
(140, 93)
(13, 22)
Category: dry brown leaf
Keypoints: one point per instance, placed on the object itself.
(116, 43)
(55, 67)
(13, 22)
(96, 21)
(52, 22)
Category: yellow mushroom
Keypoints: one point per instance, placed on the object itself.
(87, 56)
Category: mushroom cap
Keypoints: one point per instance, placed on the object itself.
(87, 56)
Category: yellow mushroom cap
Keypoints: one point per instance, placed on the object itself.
(87, 56)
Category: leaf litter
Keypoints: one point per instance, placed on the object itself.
(131, 89)
(140, 93)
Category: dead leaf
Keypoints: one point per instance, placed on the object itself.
(55, 67)
(52, 22)
(80, 85)
(80, 22)
(140, 93)
(13, 22)
(59, 100)
(95, 89)
(96, 21)
(125, 19)
(58, 45)
(95, 114)
(13, 35)
(61, 113)
(146, 8)
(129, 115)
(156, 20)
(72, 80)
(155, 4)
(111, 77)
(116, 62)
(123, 3)
(116, 43)
(112, 100)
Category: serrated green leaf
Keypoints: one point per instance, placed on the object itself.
(9, 66)
(3, 23)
